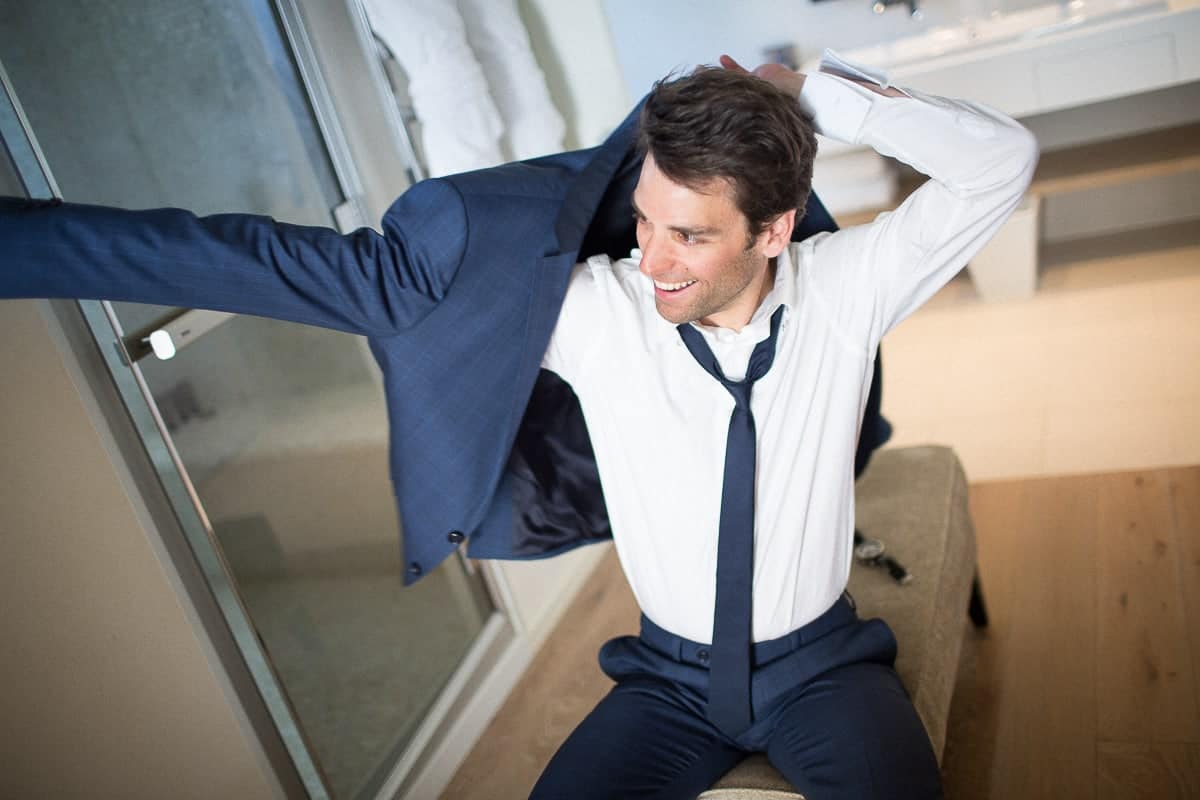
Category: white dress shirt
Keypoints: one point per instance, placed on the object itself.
(658, 421)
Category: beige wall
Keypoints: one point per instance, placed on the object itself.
(105, 688)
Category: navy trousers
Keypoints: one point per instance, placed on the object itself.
(829, 712)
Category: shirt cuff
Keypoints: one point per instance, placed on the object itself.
(834, 64)
(838, 107)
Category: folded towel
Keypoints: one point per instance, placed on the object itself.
(532, 125)
(460, 124)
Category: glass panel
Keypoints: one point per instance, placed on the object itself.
(284, 434)
(16, 156)
(282, 428)
(10, 183)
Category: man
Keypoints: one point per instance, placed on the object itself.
(722, 370)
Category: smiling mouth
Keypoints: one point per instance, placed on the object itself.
(662, 286)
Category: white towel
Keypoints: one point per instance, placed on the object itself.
(460, 124)
(533, 126)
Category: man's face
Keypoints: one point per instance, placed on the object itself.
(694, 248)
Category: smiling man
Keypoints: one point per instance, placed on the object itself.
(705, 262)
(723, 372)
(713, 211)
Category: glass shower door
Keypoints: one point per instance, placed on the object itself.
(271, 437)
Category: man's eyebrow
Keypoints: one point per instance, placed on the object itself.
(693, 231)
(701, 231)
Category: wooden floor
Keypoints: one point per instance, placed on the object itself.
(1086, 684)
(1086, 375)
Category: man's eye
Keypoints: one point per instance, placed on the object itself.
(687, 238)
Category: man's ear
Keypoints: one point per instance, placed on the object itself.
(777, 234)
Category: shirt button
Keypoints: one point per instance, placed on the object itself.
(702, 655)
(455, 536)
(415, 570)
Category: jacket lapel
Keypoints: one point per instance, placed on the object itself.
(586, 191)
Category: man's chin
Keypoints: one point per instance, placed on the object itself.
(673, 314)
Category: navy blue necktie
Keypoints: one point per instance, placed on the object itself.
(729, 664)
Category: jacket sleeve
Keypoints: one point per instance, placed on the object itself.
(363, 282)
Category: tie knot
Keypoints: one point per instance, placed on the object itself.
(740, 391)
(760, 360)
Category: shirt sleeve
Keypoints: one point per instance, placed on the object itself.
(580, 320)
(979, 162)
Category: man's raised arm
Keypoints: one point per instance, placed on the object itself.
(980, 163)
(362, 282)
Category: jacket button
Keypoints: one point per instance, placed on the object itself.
(455, 536)
(414, 569)
(702, 655)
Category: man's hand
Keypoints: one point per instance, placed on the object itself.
(777, 74)
(792, 82)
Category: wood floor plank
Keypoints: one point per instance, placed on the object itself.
(1144, 679)
(969, 762)
(1046, 737)
(1132, 771)
(1184, 489)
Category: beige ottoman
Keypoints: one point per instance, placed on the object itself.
(915, 500)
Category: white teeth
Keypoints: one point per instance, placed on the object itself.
(671, 287)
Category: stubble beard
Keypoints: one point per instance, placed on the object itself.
(712, 298)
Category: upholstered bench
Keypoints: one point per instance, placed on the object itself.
(914, 499)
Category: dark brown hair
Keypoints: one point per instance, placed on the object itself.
(716, 124)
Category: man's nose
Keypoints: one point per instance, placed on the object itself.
(654, 259)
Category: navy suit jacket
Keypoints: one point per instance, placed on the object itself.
(458, 298)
